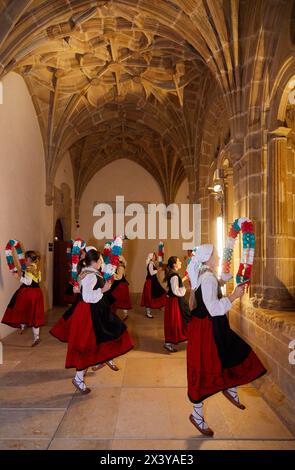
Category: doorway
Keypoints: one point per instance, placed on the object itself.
(60, 266)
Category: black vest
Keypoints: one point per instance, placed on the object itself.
(148, 275)
(200, 310)
(180, 283)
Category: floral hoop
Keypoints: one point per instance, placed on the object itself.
(69, 251)
(14, 245)
(161, 253)
(111, 253)
(77, 250)
(243, 275)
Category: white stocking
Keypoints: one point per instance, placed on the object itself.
(233, 393)
(79, 378)
(36, 332)
(198, 415)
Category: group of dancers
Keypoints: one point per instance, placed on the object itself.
(218, 360)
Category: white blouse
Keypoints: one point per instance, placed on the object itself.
(178, 291)
(26, 279)
(88, 283)
(152, 270)
(215, 306)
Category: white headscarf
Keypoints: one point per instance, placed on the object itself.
(149, 258)
(202, 254)
(88, 248)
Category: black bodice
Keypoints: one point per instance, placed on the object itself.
(180, 283)
(148, 275)
(200, 310)
(106, 325)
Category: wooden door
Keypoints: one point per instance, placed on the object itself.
(60, 272)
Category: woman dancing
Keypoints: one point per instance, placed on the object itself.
(217, 358)
(26, 307)
(94, 334)
(176, 309)
(120, 289)
(153, 295)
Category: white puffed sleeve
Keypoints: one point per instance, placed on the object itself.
(152, 270)
(215, 306)
(26, 279)
(88, 294)
(178, 291)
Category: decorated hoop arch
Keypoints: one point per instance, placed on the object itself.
(245, 226)
(112, 251)
(77, 250)
(161, 253)
(69, 248)
(15, 246)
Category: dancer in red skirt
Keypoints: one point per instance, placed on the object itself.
(153, 295)
(176, 309)
(94, 334)
(26, 307)
(120, 289)
(217, 358)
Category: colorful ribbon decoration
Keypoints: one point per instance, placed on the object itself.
(15, 245)
(69, 252)
(112, 251)
(77, 250)
(69, 247)
(161, 253)
(244, 225)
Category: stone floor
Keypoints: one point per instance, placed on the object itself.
(143, 406)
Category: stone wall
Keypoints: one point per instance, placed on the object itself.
(269, 332)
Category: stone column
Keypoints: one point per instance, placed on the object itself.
(277, 186)
(277, 272)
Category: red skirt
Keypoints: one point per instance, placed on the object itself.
(61, 329)
(83, 350)
(122, 297)
(204, 372)
(148, 301)
(27, 308)
(174, 327)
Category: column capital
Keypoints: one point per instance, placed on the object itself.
(279, 133)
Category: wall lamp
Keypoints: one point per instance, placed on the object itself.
(217, 189)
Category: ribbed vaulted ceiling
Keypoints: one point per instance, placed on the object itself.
(128, 78)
